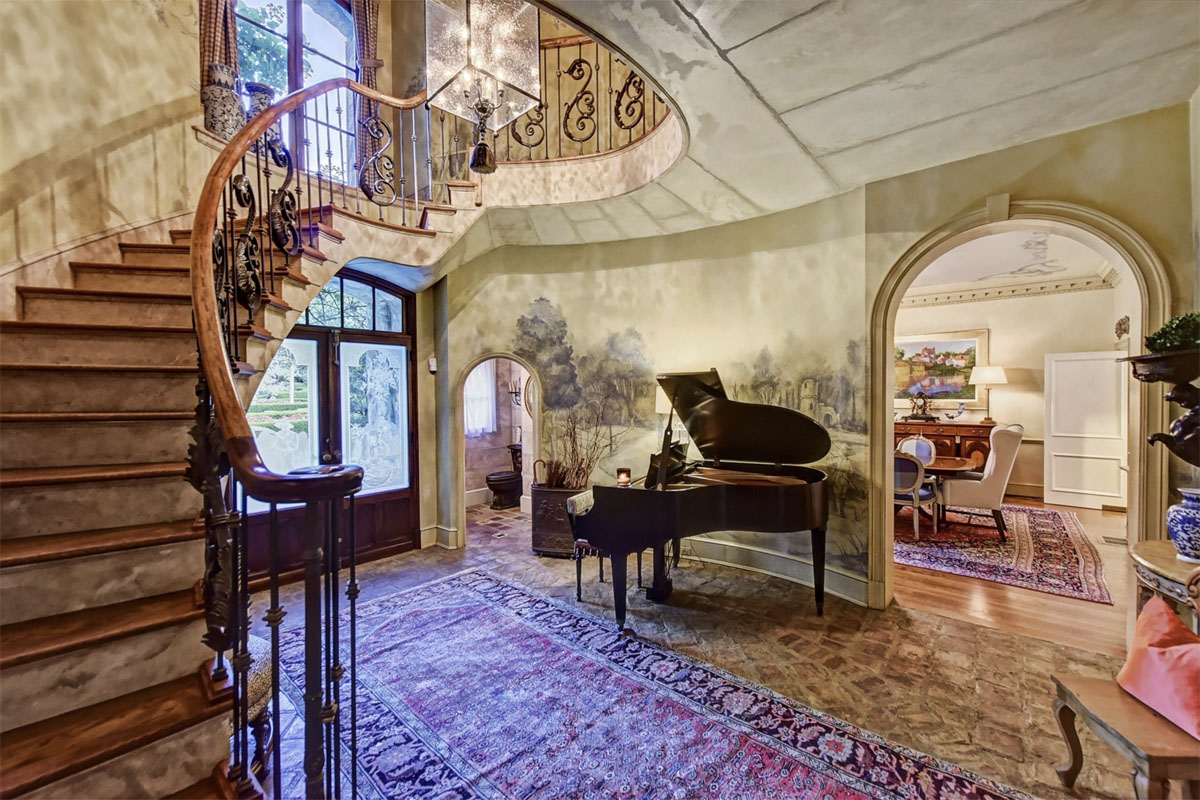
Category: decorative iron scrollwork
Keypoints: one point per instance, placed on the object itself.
(207, 466)
(535, 128)
(283, 219)
(630, 107)
(247, 252)
(377, 175)
(583, 127)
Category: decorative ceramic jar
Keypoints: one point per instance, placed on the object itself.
(1183, 525)
(223, 114)
(261, 98)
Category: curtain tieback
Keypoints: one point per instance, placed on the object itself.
(370, 63)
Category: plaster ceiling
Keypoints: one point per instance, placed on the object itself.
(791, 101)
(1012, 258)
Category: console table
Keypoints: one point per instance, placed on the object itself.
(951, 439)
(1159, 572)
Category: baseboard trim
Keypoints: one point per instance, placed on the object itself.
(1025, 490)
(845, 585)
(428, 536)
(477, 497)
(446, 537)
(526, 504)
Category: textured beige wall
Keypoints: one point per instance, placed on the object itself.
(99, 100)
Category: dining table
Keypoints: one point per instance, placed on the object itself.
(943, 467)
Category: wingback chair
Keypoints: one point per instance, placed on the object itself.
(986, 490)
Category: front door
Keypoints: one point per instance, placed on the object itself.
(340, 390)
(1085, 449)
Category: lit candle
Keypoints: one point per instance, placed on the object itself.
(624, 476)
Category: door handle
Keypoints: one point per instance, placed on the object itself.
(327, 458)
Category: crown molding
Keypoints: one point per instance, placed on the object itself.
(1091, 283)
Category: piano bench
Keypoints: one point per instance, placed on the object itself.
(582, 551)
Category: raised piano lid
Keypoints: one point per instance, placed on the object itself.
(729, 430)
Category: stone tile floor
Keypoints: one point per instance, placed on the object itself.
(971, 695)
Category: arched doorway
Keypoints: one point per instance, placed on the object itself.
(516, 397)
(1110, 238)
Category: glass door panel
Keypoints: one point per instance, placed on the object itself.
(374, 406)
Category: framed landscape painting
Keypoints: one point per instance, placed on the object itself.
(939, 365)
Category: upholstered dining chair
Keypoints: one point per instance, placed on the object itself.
(910, 488)
(578, 505)
(918, 446)
(986, 489)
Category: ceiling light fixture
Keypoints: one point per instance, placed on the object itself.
(482, 63)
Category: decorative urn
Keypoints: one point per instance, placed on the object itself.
(1183, 526)
(223, 113)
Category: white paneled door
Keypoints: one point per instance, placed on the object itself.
(1086, 447)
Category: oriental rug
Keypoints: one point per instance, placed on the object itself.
(1047, 550)
(473, 687)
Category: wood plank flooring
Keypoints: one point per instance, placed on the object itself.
(1063, 620)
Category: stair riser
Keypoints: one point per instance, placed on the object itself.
(80, 583)
(156, 770)
(106, 311)
(38, 510)
(127, 281)
(52, 686)
(82, 347)
(44, 390)
(156, 258)
(25, 445)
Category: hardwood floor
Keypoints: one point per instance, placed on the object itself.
(1079, 623)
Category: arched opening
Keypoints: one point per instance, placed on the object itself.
(497, 417)
(1112, 241)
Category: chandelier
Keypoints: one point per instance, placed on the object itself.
(482, 63)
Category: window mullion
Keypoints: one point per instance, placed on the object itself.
(295, 17)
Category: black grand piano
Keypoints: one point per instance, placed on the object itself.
(751, 479)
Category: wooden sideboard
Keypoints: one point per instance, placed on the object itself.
(956, 439)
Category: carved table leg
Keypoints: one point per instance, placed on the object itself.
(1068, 772)
(1146, 789)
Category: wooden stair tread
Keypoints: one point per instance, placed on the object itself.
(38, 754)
(45, 476)
(115, 266)
(58, 546)
(179, 369)
(93, 328)
(155, 247)
(160, 297)
(1132, 720)
(53, 417)
(35, 639)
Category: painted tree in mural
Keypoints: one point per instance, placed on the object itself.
(765, 383)
(542, 341)
(622, 374)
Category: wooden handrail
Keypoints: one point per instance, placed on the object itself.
(318, 483)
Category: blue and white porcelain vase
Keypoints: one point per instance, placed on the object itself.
(1183, 526)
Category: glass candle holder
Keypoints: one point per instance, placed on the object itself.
(624, 476)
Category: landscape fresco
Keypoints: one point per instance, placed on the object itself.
(611, 385)
(937, 366)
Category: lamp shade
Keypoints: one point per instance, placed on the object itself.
(987, 376)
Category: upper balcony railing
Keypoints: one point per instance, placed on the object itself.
(592, 103)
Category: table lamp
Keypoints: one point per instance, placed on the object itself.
(985, 378)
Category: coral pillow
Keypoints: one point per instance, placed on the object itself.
(1163, 666)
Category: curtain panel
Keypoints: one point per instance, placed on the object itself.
(218, 37)
(366, 35)
(479, 399)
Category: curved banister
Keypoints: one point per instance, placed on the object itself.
(244, 457)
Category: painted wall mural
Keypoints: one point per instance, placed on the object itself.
(610, 385)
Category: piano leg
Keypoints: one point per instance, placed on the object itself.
(639, 556)
(660, 586)
(676, 546)
(618, 584)
(818, 550)
(578, 576)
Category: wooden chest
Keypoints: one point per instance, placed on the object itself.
(957, 439)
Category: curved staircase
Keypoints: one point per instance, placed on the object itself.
(106, 688)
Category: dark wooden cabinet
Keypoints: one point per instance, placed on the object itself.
(956, 439)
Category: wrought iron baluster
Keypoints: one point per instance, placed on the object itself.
(314, 755)
(429, 150)
(308, 173)
(352, 592)
(334, 622)
(264, 171)
(341, 137)
(274, 618)
(415, 171)
(329, 152)
(400, 152)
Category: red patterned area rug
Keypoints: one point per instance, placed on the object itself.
(472, 687)
(1047, 550)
